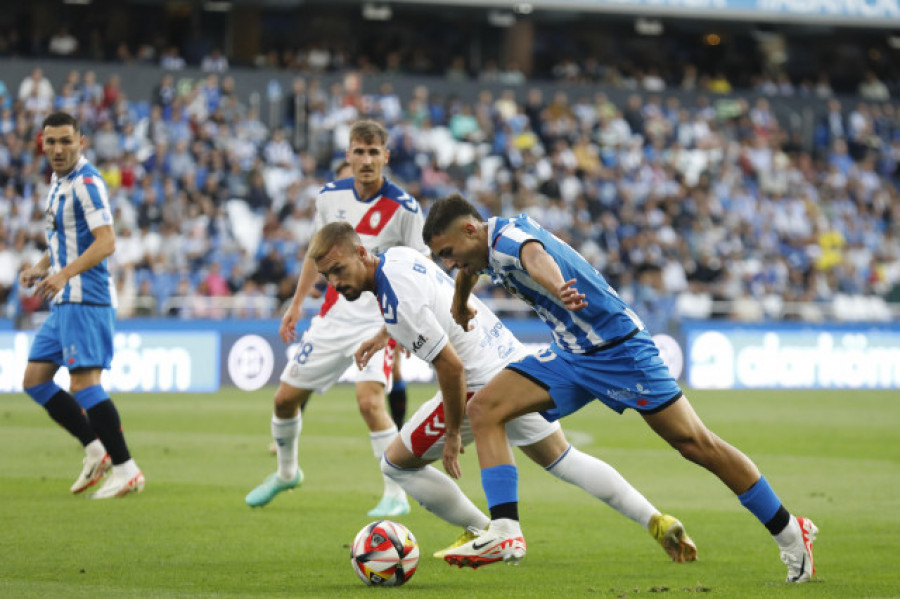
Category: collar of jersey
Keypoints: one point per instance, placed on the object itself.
(374, 196)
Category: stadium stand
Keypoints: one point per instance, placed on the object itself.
(775, 200)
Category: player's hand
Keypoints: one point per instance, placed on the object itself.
(570, 297)
(452, 448)
(288, 329)
(369, 348)
(49, 287)
(29, 276)
(463, 316)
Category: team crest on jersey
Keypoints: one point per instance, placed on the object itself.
(374, 219)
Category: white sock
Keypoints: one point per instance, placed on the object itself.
(790, 536)
(94, 449)
(437, 493)
(603, 482)
(506, 525)
(380, 441)
(286, 433)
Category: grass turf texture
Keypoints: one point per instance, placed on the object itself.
(833, 456)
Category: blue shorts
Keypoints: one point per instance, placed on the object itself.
(76, 336)
(628, 375)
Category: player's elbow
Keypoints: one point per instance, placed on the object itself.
(109, 247)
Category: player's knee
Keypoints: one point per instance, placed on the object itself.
(287, 402)
(479, 412)
(370, 405)
(696, 446)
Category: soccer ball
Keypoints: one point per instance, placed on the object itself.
(384, 553)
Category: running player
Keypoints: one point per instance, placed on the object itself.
(600, 350)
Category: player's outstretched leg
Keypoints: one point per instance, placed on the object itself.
(670, 533)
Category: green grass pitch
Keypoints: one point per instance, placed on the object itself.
(833, 456)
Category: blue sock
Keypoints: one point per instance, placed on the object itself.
(43, 392)
(501, 484)
(761, 500)
(89, 397)
(399, 385)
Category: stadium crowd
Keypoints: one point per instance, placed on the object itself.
(690, 209)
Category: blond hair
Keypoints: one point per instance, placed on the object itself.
(340, 234)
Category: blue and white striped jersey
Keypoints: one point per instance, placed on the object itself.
(76, 204)
(605, 319)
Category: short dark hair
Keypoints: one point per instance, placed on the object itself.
(368, 132)
(443, 212)
(61, 119)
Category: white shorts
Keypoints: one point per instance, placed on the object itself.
(326, 350)
(423, 433)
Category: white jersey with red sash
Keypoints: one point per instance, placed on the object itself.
(389, 218)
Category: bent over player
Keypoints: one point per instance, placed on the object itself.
(600, 350)
(414, 295)
(384, 216)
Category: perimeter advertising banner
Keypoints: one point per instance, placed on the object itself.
(157, 356)
(722, 355)
(152, 361)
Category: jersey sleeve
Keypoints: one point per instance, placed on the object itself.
(408, 315)
(320, 219)
(92, 197)
(412, 230)
(507, 247)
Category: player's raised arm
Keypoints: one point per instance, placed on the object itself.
(545, 271)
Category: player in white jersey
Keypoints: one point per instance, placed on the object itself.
(415, 296)
(397, 397)
(78, 334)
(601, 350)
(384, 216)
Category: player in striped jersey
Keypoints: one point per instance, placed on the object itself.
(78, 334)
(601, 350)
(384, 216)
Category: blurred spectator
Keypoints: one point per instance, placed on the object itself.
(62, 43)
(873, 88)
(171, 60)
(36, 85)
(214, 62)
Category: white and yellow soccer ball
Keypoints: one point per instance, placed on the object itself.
(384, 553)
